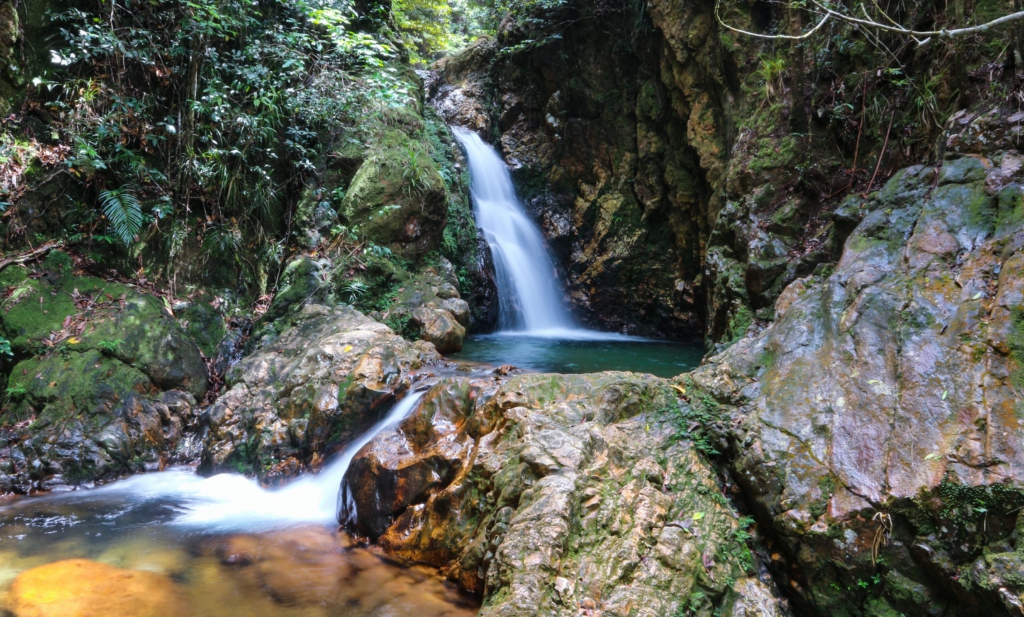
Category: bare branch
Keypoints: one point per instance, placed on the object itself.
(922, 37)
(870, 23)
(777, 37)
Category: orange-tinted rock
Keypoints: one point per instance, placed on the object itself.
(83, 588)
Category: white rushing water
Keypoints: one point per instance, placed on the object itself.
(233, 502)
(528, 291)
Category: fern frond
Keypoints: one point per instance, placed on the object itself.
(124, 214)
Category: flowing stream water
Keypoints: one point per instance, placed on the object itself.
(236, 548)
(528, 291)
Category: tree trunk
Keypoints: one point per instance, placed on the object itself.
(798, 122)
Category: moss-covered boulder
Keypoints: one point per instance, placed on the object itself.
(106, 380)
(297, 398)
(556, 494)
(397, 198)
(83, 313)
(205, 325)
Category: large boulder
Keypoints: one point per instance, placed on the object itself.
(314, 387)
(556, 495)
(398, 198)
(106, 380)
(81, 313)
(877, 426)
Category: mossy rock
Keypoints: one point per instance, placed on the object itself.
(37, 307)
(144, 335)
(131, 326)
(398, 197)
(70, 384)
(205, 326)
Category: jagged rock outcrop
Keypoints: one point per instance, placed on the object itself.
(311, 388)
(876, 426)
(556, 495)
(105, 379)
(428, 307)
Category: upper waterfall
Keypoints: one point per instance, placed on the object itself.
(529, 294)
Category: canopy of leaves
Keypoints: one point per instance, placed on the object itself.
(215, 112)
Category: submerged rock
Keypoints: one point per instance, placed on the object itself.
(549, 494)
(83, 588)
(317, 385)
(311, 567)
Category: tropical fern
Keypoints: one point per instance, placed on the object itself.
(124, 213)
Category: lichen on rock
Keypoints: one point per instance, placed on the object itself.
(311, 389)
(550, 494)
(877, 421)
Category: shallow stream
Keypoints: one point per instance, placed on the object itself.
(300, 570)
(187, 545)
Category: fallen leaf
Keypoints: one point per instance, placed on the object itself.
(944, 394)
(698, 515)
(681, 389)
(347, 348)
(933, 456)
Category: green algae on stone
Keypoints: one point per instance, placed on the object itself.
(204, 325)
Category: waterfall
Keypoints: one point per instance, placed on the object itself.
(232, 502)
(529, 295)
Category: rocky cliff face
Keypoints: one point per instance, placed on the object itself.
(685, 175)
(873, 431)
(876, 426)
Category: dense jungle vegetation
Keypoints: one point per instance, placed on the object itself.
(191, 142)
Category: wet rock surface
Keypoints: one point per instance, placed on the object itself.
(84, 588)
(875, 427)
(429, 307)
(558, 495)
(321, 382)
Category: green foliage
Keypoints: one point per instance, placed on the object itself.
(353, 290)
(5, 348)
(770, 75)
(58, 263)
(402, 325)
(966, 504)
(16, 392)
(123, 212)
(214, 112)
(741, 321)
(430, 28)
(694, 419)
(109, 348)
